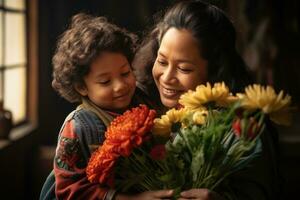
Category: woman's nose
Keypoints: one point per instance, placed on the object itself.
(169, 74)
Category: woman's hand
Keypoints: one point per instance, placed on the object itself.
(199, 194)
(149, 195)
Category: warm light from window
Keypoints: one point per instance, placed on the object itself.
(14, 39)
(1, 37)
(14, 92)
(15, 4)
(13, 58)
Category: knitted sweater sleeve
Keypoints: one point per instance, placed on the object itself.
(78, 136)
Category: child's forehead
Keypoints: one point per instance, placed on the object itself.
(107, 54)
(107, 57)
(109, 61)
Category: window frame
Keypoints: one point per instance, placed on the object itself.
(30, 123)
(3, 66)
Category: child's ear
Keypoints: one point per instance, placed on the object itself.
(81, 89)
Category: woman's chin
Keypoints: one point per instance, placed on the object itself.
(169, 103)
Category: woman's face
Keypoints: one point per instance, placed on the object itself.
(179, 66)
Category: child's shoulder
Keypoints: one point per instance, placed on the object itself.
(84, 116)
(87, 125)
(81, 112)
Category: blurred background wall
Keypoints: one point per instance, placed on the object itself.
(268, 39)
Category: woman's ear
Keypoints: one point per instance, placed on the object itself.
(81, 89)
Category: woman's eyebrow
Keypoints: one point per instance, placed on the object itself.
(180, 60)
(177, 60)
(185, 61)
(161, 54)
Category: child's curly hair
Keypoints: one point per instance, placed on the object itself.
(78, 46)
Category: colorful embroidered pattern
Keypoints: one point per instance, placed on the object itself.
(69, 155)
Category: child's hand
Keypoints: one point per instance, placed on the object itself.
(150, 195)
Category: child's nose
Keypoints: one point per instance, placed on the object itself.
(119, 85)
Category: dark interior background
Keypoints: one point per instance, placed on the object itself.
(268, 39)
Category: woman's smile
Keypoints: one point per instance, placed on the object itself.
(170, 93)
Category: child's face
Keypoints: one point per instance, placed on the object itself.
(110, 83)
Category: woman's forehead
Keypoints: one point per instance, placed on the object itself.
(179, 43)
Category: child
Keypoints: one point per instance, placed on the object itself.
(91, 67)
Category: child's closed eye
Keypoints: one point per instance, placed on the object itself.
(104, 82)
(126, 73)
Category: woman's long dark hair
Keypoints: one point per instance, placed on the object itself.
(216, 38)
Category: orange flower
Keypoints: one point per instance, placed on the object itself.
(128, 130)
(124, 133)
(101, 162)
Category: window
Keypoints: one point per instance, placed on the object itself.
(13, 58)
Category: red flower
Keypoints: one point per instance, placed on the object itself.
(254, 128)
(124, 133)
(158, 152)
(236, 126)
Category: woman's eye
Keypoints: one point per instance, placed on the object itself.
(162, 63)
(185, 70)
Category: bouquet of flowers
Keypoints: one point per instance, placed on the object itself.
(212, 135)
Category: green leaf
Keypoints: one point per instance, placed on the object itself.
(197, 163)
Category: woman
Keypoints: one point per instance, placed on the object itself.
(192, 44)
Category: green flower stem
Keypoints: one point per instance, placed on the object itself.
(185, 139)
(231, 113)
(140, 167)
(149, 180)
(160, 164)
(261, 119)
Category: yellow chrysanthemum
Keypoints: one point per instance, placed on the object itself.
(199, 116)
(266, 99)
(204, 94)
(162, 126)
